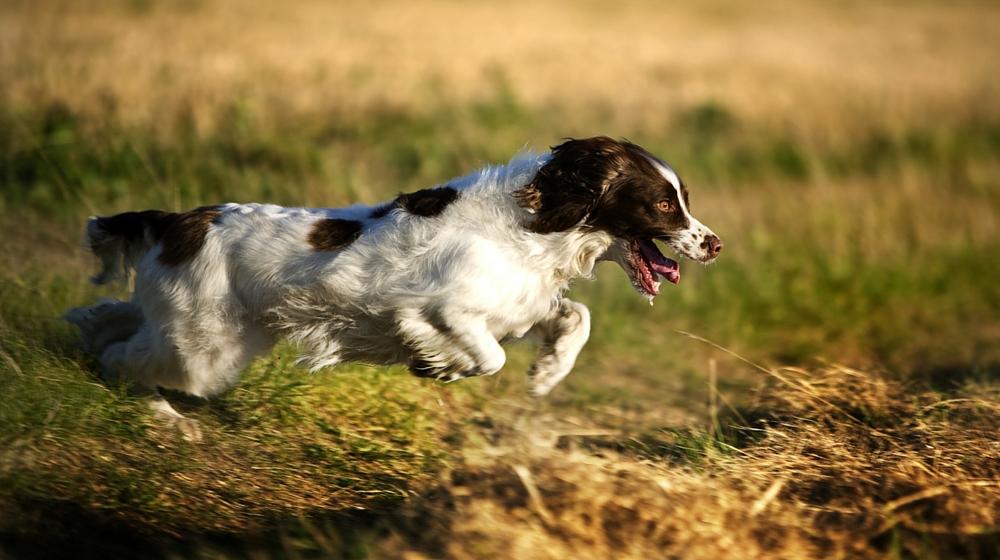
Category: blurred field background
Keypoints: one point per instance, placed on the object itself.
(848, 153)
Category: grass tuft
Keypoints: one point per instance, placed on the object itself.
(841, 464)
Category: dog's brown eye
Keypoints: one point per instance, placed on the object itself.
(663, 205)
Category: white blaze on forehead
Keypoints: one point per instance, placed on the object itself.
(671, 176)
(695, 227)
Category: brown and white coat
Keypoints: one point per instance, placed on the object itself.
(433, 279)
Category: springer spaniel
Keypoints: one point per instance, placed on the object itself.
(433, 279)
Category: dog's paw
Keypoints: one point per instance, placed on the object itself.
(448, 372)
(537, 390)
(190, 429)
(545, 373)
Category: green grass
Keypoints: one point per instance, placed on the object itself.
(867, 250)
(282, 443)
(872, 252)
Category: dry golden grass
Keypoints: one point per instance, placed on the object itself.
(841, 464)
(827, 67)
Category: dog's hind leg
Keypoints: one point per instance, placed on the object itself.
(563, 334)
(108, 330)
(141, 361)
(104, 324)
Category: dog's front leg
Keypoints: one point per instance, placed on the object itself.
(563, 334)
(450, 344)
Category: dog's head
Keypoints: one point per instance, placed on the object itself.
(619, 188)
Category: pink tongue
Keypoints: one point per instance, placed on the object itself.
(671, 274)
(665, 267)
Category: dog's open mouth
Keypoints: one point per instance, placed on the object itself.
(648, 265)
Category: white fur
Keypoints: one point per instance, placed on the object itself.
(441, 291)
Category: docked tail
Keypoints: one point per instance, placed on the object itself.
(119, 241)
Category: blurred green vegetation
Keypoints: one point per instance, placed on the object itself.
(54, 160)
(872, 251)
(876, 252)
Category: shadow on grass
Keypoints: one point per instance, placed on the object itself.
(59, 529)
(948, 378)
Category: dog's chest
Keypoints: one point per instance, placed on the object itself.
(525, 300)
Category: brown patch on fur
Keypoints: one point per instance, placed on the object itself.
(181, 235)
(529, 197)
(131, 226)
(427, 203)
(332, 234)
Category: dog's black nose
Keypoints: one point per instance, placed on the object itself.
(713, 245)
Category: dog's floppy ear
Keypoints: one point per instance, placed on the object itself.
(569, 187)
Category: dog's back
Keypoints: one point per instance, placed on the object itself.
(215, 286)
(432, 279)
